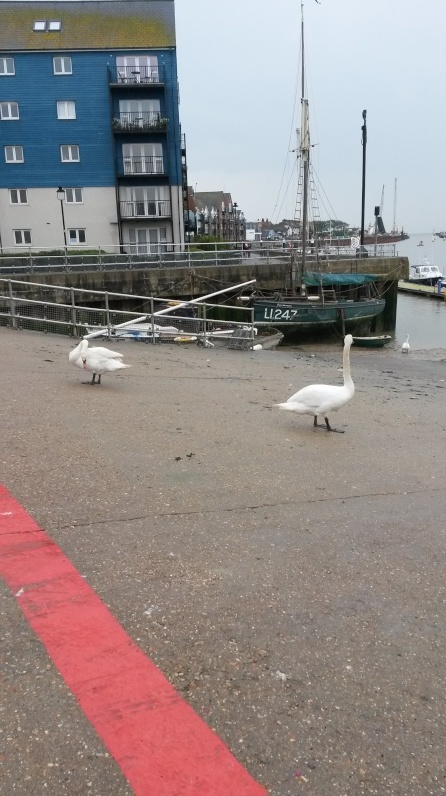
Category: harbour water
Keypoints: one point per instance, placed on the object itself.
(424, 319)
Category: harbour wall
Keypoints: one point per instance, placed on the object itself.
(190, 282)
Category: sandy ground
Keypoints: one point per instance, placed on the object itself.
(290, 583)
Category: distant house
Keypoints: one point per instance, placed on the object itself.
(89, 125)
(216, 215)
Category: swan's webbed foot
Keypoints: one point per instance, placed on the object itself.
(318, 425)
(329, 428)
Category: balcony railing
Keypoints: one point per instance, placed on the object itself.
(131, 75)
(159, 208)
(137, 121)
(147, 164)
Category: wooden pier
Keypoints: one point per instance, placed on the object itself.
(421, 290)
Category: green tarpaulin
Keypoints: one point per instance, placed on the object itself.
(314, 279)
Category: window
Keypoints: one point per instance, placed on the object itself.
(9, 110)
(76, 235)
(69, 153)
(62, 65)
(147, 241)
(47, 24)
(139, 113)
(74, 196)
(14, 154)
(66, 109)
(143, 158)
(22, 237)
(7, 66)
(18, 196)
(137, 69)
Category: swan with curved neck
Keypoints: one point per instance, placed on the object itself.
(320, 399)
(96, 360)
(405, 348)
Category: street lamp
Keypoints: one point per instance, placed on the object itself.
(235, 206)
(364, 146)
(60, 193)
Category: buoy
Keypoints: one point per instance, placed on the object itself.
(190, 339)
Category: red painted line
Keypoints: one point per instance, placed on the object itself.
(162, 747)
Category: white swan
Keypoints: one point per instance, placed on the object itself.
(405, 348)
(97, 360)
(319, 399)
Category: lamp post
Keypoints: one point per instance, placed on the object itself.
(234, 207)
(60, 193)
(364, 146)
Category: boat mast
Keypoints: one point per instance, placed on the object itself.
(394, 208)
(305, 154)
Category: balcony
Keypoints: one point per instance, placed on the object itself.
(136, 75)
(139, 166)
(159, 208)
(139, 122)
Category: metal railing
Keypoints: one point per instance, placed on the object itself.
(26, 259)
(131, 75)
(65, 310)
(147, 164)
(139, 121)
(146, 208)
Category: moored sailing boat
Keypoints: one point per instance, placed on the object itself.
(317, 299)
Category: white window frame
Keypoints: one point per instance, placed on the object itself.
(4, 72)
(66, 109)
(147, 240)
(50, 25)
(65, 61)
(145, 158)
(137, 68)
(19, 237)
(15, 150)
(74, 196)
(9, 107)
(74, 236)
(20, 195)
(71, 148)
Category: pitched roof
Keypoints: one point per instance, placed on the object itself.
(211, 199)
(88, 24)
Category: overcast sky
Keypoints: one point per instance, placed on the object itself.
(238, 63)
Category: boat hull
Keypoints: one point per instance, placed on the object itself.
(289, 316)
(373, 341)
(369, 240)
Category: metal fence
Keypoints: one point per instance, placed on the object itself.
(78, 312)
(167, 255)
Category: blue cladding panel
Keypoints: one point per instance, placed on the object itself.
(41, 133)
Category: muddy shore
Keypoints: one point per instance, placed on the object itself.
(290, 583)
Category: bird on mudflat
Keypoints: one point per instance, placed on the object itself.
(320, 399)
(96, 360)
(405, 348)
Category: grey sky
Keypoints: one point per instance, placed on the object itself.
(238, 68)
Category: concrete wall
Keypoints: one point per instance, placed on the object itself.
(194, 282)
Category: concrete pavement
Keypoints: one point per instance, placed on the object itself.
(288, 582)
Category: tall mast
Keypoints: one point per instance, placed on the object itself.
(394, 208)
(305, 152)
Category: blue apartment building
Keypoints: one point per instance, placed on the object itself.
(91, 152)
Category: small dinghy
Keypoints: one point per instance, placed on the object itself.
(376, 341)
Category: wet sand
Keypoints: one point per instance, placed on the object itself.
(288, 582)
